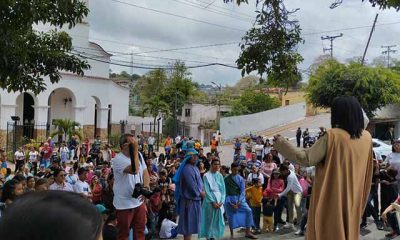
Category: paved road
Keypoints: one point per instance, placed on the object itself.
(289, 131)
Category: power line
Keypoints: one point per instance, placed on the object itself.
(198, 6)
(180, 16)
(184, 48)
(155, 67)
(388, 52)
(331, 38)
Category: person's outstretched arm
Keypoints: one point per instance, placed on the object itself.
(306, 157)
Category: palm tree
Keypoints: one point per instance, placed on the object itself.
(154, 106)
(67, 128)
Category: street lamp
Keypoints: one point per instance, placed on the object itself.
(15, 119)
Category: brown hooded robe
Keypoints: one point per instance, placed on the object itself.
(341, 185)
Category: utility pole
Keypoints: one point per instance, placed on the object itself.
(369, 39)
(330, 38)
(388, 51)
(219, 87)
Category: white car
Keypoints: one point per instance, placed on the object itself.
(381, 148)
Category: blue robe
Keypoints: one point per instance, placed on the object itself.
(212, 220)
(242, 217)
(190, 188)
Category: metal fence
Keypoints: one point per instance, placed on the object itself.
(19, 134)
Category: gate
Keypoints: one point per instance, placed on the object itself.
(19, 134)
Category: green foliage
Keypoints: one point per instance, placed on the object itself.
(175, 86)
(68, 128)
(374, 87)
(253, 102)
(113, 140)
(27, 56)
(383, 4)
(270, 46)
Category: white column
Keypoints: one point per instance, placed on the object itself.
(102, 114)
(80, 114)
(7, 110)
(41, 114)
(397, 129)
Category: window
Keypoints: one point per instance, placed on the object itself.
(179, 112)
(187, 112)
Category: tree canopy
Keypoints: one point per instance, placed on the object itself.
(27, 55)
(374, 87)
(270, 46)
(253, 102)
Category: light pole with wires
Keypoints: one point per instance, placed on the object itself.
(219, 88)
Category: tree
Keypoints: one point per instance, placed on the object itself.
(373, 87)
(253, 102)
(27, 56)
(270, 46)
(154, 106)
(67, 128)
(383, 4)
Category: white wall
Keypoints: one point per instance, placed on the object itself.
(135, 123)
(232, 127)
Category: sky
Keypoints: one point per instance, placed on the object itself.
(211, 31)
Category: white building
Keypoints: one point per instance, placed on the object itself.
(199, 120)
(93, 100)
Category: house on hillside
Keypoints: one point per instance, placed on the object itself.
(200, 120)
(93, 100)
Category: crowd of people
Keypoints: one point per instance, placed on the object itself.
(142, 195)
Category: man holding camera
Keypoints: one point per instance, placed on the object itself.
(129, 174)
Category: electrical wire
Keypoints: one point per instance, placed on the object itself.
(153, 66)
(180, 16)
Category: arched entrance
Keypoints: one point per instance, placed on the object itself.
(61, 105)
(26, 112)
(97, 116)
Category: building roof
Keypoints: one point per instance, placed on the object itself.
(100, 48)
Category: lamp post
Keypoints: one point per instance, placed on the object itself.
(123, 124)
(219, 88)
(15, 119)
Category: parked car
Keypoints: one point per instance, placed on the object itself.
(381, 148)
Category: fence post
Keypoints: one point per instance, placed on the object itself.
(158, 134)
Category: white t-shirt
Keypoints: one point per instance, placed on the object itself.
(255, 175)
(124, 183)
(82, 187)
(19, 155)
(63, 187)
(259, 149)
(71, 179)
(166, 228)
(33, 156)
(293, 185)
(151, 141)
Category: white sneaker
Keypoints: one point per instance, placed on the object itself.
(288, 225)
(299, 232)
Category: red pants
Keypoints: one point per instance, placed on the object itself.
(134, 218)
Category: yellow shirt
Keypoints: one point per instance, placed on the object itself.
(197, 145)
(254, 196)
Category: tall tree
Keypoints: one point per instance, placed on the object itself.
(27, 56)
(270, 46)
(373, 87)
(155, 106)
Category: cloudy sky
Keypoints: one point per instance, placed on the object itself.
(211, 30)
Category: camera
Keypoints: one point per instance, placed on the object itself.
(141, 190)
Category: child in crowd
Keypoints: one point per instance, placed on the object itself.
(168, 228)
(268, 213)
(254, 198)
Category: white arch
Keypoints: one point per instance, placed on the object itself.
(61, 102)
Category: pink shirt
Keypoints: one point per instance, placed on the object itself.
(267, 168)
(304, 185)
(274, 187)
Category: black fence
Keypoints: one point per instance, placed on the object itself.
(19, 134)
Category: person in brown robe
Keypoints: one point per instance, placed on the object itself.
(344, 167)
